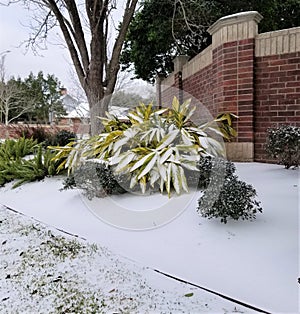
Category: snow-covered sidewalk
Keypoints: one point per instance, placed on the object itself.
(254, 262)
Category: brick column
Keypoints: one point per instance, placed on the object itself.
(179, 62)
(233, 52)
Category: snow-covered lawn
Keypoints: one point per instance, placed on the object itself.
(256, 263)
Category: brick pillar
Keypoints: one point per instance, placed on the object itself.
(233, 52)
(179, 62)
(158, 79)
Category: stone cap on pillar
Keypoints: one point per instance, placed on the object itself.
(235, 27)
(179, 62)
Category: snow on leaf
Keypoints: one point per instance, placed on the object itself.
(162, 169)
(135, 117)
(176, 179)
(186, 138)
(118, 144)
(143, 184)
(183, 180)
(124, 162)
(168, 139)
(142, 161)
(166, 155)
(154, 176)
(133, 182)
(149, 166)
(168, 181)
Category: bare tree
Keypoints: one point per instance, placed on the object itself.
(2, 65)
(12, 102)
(88, 46)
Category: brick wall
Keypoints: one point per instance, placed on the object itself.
(75, 125)
(256, 76)
(277, 84)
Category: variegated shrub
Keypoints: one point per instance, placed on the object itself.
(154, 147)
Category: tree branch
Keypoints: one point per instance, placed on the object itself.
(68, 38)
(78, 33)
(114, 65)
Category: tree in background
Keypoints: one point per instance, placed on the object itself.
(44, 90)
(85, 27)
(12, 104)
(31, 99)
(131, 100)
(164, 29)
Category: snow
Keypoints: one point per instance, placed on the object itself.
(254, 262)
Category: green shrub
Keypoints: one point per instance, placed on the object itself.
(14, 149)
(69, 183)
(236, 200)
(95, 179)
(211, 170)
(283, 144)
(38, 133)
(27, 170)
(62, 138)
(34, 169)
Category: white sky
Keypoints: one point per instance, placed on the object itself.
(13, 31)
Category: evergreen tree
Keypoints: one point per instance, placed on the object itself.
(32, 99)
(164, 29)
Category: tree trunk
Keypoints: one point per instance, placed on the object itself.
(6, 115)
(97, 75)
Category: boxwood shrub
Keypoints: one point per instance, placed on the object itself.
(283, 144)
(95, 179)
(236, 200)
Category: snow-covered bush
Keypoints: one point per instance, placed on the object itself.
(155, 147)
(236, 200)
(214, 167)
(283, 144)
(211, 170)
(95, 179)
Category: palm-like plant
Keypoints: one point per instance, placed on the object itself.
(153, 146)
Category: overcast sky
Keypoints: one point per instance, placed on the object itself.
(13, 32)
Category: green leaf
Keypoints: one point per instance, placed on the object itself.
(144, 160)
(168, 139)
(188, 295)
(149, 166)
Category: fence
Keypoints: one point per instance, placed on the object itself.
(256, 76)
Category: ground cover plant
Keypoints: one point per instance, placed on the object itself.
(283, 144)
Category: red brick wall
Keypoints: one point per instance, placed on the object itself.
(277, 96)
(263, 91)
(227, 84)
(200, 86)
(13, 130)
